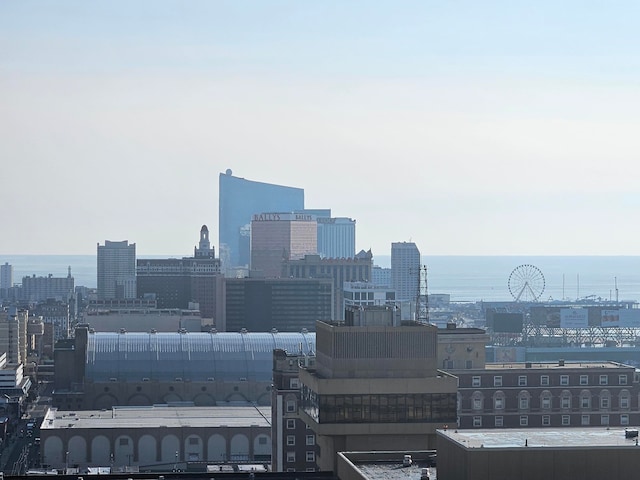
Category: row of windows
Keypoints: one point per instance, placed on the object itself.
(427, 407)
(476, 381)
(310, 440)
(545, 420)
(546, 400)
(310, 456)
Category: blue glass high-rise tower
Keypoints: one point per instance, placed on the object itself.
(239, 200)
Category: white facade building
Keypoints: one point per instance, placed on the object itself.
(367, 294)
(405, 270)
(116, 270)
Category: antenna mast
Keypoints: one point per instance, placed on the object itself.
(422, 300)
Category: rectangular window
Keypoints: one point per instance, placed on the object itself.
(468, 364)
(565, 402)
(624, 402)
(604, 379)
(291, 406)
(622, 379)
(124, 441)
(294, 383)
(291, 457)
(564, 379)
(475, 381)
(546, 420)
(291, 424)
(546, 403)
(584, 420)
(477, 404)
(524, 420)
(499, 421)
(604, 419)
(584, 379)
(566, 420)
(544, 380)
(585, 402)
(311, 456)
(624, 419)
(604, 402)
(499, 403)
(497, 381)
(311, 440)
(291, 440)
(522, 381)
(524, 403)
(477, 421)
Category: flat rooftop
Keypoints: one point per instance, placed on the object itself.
(596, 437)
(389, 465)
(159, 416)
(547, 365)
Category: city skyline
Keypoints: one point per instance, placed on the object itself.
(469, 129)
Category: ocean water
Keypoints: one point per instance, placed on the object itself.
(465, 278)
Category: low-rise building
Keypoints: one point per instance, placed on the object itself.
(559, 394)
(533, 454)
(159, 437)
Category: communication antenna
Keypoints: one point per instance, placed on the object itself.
(422, 299)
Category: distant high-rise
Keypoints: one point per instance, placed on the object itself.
(39, 289)
(405, 270)
(178, 282)
(277, 237)
(239, 200)
(6, 276)
(116, 270)
(341, 270)
(6, 281)
(336, 237)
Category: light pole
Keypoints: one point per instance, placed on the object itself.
(66, 463)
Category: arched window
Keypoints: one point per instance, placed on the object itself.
(524, 400)
(477, 401)
(585, 399)
(546, 400)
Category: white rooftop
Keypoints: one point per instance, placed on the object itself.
(596, 437)
(159, 416)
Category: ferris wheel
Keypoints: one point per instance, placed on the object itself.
(526, 283)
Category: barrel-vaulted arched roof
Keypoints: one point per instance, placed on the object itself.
(136, 356)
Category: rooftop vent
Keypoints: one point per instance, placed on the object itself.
(631, 433)
(561, 362)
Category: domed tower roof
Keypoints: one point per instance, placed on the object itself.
(204, 229)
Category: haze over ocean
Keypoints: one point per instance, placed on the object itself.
(465, 278)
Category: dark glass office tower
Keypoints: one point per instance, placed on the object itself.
(239, 200)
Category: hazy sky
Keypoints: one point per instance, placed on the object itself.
(467, 127)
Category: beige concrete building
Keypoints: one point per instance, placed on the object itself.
(276, 237)
(13, 334)
(461, 348)
(155, 438)
(375, 388)
(534, 454)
